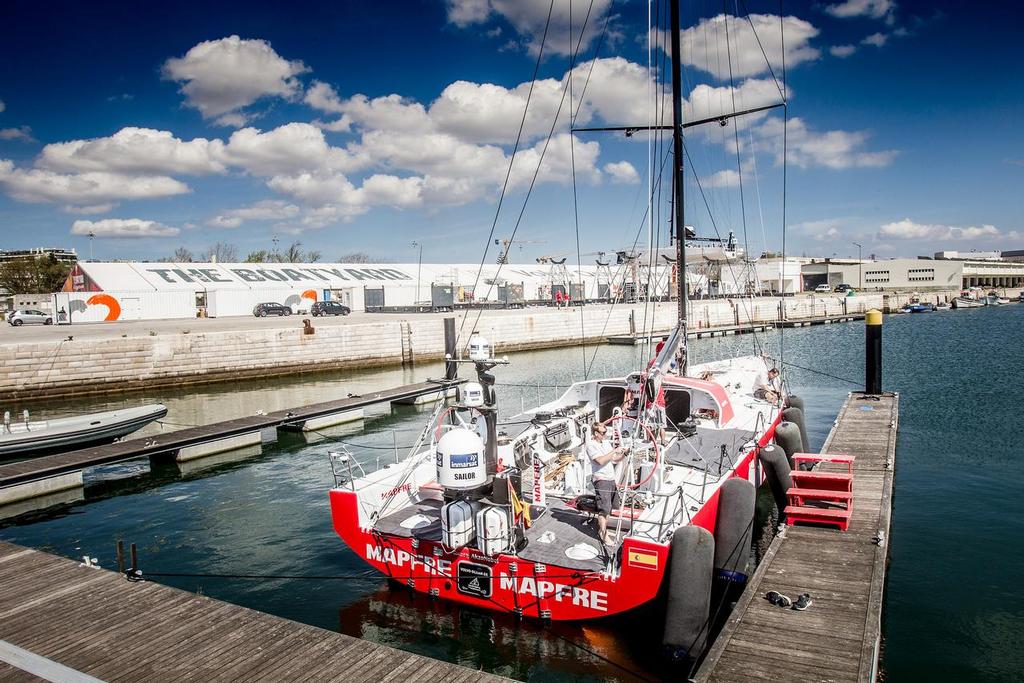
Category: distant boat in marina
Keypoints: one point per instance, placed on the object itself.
(28, 438)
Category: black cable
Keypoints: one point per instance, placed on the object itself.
(823, 374)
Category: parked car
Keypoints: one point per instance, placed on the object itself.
(270, 308)
(329, 308)
(843, 288)
(29, 317)
(822, 289)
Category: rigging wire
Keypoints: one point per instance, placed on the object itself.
(533, 178)
(511, 160)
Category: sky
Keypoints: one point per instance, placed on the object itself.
(365, 127)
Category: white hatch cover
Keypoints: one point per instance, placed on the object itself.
(581, 551)
(416, 521)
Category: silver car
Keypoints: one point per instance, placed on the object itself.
(29, 316)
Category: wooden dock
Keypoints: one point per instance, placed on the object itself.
(232, 433)
(837, 639)
(61, 621)
(691, 333)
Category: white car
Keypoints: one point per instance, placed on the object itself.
(29, 316)
(822, 289)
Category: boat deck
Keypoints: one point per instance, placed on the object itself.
(60, 621)
(552, 533)
(838, 638)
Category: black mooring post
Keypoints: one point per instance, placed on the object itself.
(451, 368)
(873, 352)
(120, 556)
(135, 556)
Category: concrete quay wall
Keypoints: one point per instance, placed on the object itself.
(109, 365)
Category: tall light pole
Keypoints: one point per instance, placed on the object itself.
(92, 236)
(860, 267)
(419, 267)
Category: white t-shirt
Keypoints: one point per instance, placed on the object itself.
(762, 382)
(596, 450)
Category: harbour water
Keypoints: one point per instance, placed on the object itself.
(953, 610)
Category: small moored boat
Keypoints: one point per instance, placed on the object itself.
(25, 437)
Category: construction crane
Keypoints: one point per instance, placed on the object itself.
(506, 243)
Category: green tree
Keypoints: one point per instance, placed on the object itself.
(261, 256)
(39, 275)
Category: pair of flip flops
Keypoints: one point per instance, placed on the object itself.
(802, 602)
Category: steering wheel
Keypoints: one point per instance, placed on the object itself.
(650, 437)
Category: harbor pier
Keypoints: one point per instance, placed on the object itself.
(38, 479)
(838, 638)
(63, 621)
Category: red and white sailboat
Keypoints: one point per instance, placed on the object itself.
(502, 519)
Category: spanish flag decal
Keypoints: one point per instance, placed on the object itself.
(645, 559)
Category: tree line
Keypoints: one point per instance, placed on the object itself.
(223, 252)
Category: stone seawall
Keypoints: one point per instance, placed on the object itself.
(94, 366)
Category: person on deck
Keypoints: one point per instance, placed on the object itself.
(603, 459)
(766, 386)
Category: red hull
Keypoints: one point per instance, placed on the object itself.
(510, 584)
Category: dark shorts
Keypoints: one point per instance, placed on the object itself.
(607, 495)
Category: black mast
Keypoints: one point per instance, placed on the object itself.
(677, 178)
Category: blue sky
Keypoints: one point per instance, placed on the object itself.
(365, 126)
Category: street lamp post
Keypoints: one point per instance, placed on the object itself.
(419, 267)
(92, 236)
(860, 267)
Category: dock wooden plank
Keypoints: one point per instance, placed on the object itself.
(837, 638)
(97, 623)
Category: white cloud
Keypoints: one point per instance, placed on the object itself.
(706, 101)
(89, 210)
(907, 229)
(875, 9)
(322, 97)
(488, 113)
(22, 133)
(622, 172)
(123, 227)
(725, 178)
(827, 230)
(136, 150)
(463, 13)
(876, 39)
(842, 51)
(2, 105)
(226, 222)
(220, 77)
(392, 191)
(342, 125)
(291, 148)
(618, 92)
(266, 210)
(40, 185)
(835, 149)
(704, 46)
(315, 189)
(529, 18)
(391, 112)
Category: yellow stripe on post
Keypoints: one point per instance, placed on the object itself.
(873, 317)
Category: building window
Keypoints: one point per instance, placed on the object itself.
(876, 276)
(921, 274)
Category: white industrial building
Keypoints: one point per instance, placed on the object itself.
(142, 291)
(914, 274)
(146, 291)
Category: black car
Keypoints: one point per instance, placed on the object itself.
(263, 310)
(843, 288)
(329, 308)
